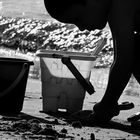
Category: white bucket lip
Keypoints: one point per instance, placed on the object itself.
(72, 55)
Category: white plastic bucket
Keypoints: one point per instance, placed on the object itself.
(60, 88)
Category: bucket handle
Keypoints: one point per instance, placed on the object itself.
(14, 84)
(84, 83)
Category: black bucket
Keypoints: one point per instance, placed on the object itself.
(13, 79)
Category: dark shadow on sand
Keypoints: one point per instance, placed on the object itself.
(63, 118)
(114, 124)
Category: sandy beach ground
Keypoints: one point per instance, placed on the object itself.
(118, 129)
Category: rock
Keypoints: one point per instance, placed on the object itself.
(64, 130)
(48, 131)
(76, 124)
(92, 136)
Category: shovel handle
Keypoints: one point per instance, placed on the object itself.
(84, 83)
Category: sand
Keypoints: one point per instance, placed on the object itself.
(55, 126)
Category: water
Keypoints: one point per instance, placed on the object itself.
(24, 8)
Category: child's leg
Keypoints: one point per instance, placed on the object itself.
(136, 68)
(119, 75)
(121, 24)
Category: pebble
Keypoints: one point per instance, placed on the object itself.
(64, 130)
(92, 136)
(76, 124)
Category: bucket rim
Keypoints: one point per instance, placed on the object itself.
(72, 55)
(15, 60)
